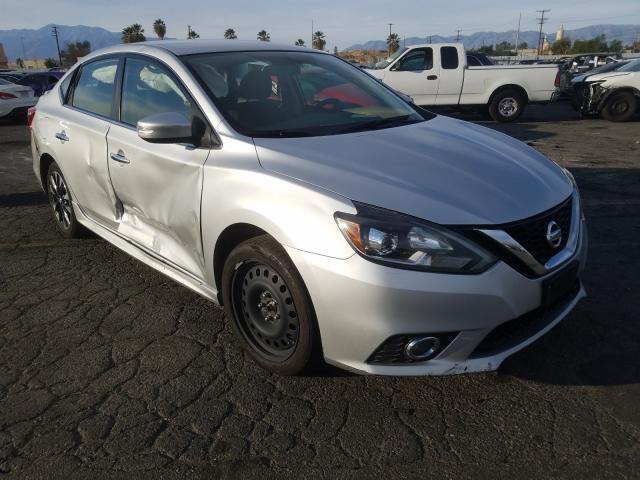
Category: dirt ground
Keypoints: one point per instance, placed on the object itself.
(107, 368)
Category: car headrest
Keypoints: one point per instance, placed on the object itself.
(255, 85)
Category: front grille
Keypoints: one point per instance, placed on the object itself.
(516, 331)
(532, 233)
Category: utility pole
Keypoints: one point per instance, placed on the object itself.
(458, 35)
(542, 21)
(55, 34)
(388, 44)
(430, 37)
(188, 32)
(311, 33)
(518, 33)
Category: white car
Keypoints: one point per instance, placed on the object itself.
(438, 74)
(15, 99)
(614, 95)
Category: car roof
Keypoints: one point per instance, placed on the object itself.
(190, 47)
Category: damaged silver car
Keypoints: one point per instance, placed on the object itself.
(615, 94)
(333, 219)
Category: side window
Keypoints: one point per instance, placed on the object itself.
(94, 90)
(449, 58)
(473, 61)
(417, 60)
(148, 88)
(64, 87)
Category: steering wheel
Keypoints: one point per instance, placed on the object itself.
(329, 103)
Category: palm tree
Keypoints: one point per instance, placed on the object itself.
(318, 40)
(393, 42)
(133, 33)
(230, 34)
(300, 43)
(191, 33)
(264, 36)
(160, 28)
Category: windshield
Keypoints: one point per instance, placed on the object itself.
(287, 94)
(389, 60)
(633, 66)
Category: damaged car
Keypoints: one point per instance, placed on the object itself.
(614, 95)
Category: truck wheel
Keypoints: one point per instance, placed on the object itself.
(620, 107)
(507, 106)
(269, 307)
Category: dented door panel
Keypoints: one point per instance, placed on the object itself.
(159, 192)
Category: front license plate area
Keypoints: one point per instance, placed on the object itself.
(556, 288)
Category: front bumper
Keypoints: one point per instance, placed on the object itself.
(360, 304)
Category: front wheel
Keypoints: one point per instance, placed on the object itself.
(620, 107)
(270, 308)
(507, 106)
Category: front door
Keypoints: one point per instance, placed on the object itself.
(415, 75)
(158, 185)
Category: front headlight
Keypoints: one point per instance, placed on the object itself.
(402, 241)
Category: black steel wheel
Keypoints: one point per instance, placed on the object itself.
(620, 107)
(265, 311)
(270, 308)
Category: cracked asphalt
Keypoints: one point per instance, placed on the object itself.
(108, 369)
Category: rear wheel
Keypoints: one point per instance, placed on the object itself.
(269, 306)
(620, 107)
(60, 202)
(507, 105)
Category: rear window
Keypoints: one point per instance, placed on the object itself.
(449, 57)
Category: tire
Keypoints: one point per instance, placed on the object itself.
(269, 307)
(620, 107)
(507, 105)
(60, 202)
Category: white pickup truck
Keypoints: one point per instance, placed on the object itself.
(438, 74)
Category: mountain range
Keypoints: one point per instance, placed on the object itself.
(626, 33)
(39, 43)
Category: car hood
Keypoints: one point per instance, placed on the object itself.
(443, 170)
(607, 76)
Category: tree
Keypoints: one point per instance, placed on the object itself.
(300, 43)
(335, 51)
(75, 50)
(615, 46)
(191, 33)
(318, 40)
(597, 44)
(561, 47)
(160, 28)
(133, 33)
(50, 63)
(264, 36)
(486, 49)
(20, 62)
(523, 45)
(393, 42)
(230, 34)
(504, 48)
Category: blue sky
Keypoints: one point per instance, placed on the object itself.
(344, 22)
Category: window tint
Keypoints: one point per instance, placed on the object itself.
(148, 89)
(449, 57)
(417, 60)
(94, 90)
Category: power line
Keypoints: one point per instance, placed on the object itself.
(55, 34)
(541, 21)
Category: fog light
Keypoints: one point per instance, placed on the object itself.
(422, 348)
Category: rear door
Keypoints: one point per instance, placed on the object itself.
(415, 74)
(451, 75)
(158, 186)
(79, 137)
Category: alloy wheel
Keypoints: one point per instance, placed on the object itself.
(60, 200)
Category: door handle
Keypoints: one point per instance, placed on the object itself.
(62, 136)
(432, 77)
(119, 157)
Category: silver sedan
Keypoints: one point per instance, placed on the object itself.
(334, 220)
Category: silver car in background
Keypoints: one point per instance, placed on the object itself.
(332, 219)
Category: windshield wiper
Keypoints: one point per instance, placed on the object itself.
(379, 123)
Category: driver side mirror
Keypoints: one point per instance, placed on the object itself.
(167, 127)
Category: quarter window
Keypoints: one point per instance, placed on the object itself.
(449, 58)
(95, 87)
(148, 89)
